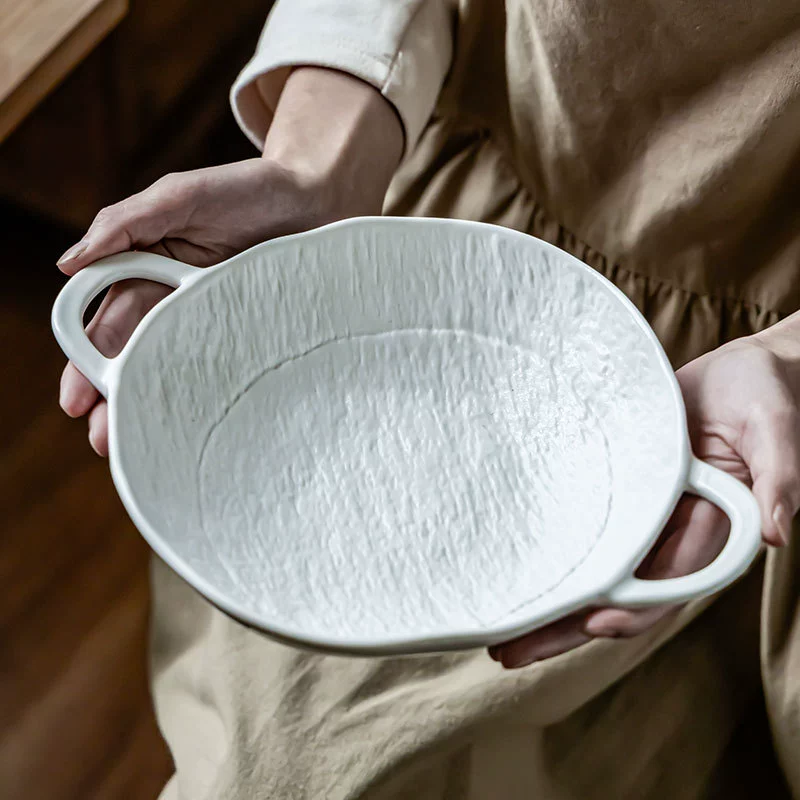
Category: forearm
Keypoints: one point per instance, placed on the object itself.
(337, 135)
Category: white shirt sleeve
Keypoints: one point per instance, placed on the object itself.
(401, 47)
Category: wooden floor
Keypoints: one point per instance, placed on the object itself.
(75, 716)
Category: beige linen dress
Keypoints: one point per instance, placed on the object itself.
(659, 142)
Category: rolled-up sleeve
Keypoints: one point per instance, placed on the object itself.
(401, 47)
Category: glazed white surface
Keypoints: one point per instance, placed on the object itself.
(392, 432)
(404, 481)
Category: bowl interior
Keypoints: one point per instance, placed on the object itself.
(397, 430)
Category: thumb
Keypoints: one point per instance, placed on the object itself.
(135, 223)
(771, 448)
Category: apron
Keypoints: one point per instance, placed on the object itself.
(659, 143)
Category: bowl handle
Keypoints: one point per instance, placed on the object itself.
(744, 541)
(84, 286)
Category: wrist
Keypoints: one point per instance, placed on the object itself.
(339, 139)
(783, 341)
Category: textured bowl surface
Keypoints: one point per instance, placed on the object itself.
(398, 434)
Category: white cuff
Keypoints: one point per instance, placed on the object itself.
(401, 47)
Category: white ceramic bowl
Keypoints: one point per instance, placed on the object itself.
(400, 435)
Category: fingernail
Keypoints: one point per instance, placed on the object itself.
(519, 663)
(517, 660)
(782, 522)
(599, 629)
(73, 252)
(93, 442)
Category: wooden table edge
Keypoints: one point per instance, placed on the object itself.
(58, 63)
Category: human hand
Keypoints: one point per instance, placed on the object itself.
(330, 154)
(741, 406)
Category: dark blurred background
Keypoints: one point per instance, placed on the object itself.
(98, 98)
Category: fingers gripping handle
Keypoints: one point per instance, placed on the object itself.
(744, 541)
(83, 287)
